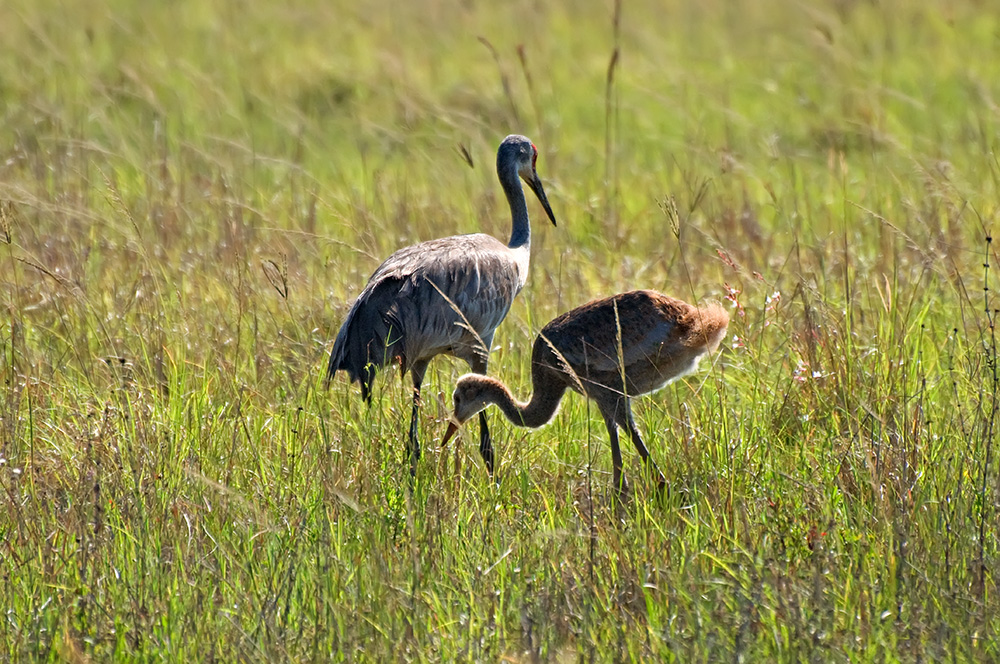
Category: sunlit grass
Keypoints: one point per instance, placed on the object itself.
(192, 194)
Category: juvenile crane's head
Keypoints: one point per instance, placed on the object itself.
(470, 397)
(519, 153)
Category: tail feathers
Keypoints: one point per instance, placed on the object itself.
(362, 348)
(337, 354)
(709, 327)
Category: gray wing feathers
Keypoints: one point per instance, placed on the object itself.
(408, 308)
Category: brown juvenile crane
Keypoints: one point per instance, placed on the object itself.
(443, 296)
(609, 350)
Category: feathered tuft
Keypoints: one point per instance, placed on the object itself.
(363, 344)
(708, 326)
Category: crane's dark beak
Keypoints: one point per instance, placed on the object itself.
(452, 428)
(536, 186)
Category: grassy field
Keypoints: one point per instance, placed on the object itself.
(192, 194)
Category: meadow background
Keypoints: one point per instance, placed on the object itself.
(192, 193)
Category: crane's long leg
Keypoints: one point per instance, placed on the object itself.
(628, 423)
(620, 484)
(479, 365)
(413, 442)
(485, 443)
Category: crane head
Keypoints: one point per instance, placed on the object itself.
(469, 399)
(519, 153)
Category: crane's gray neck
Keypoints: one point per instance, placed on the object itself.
(520, 232)
(538, 411)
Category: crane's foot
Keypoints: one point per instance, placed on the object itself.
(662, 485)
(620, 487)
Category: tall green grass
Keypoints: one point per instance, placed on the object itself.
(192, 193)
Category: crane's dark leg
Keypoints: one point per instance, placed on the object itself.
(620, 485)
(413, 442)
(485, 441)
(628, 423)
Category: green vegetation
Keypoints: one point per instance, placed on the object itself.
(193, 192)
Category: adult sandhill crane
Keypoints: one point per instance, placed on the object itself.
(609, 350)
(443, 296)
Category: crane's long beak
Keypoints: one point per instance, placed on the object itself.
(536, 186)
(452, 428)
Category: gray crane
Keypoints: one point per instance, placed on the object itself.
(442, 296)
(609, 350)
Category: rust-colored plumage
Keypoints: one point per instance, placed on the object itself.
(443, 296)
(610, 350)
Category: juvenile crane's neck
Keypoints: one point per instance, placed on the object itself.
(520, 232)
(536, 412)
